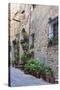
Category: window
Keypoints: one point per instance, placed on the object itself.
(31, 44)
(32, 41)
(53, 31)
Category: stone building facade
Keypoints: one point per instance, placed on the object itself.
(19, 19)
(38, 21)
(40, 27)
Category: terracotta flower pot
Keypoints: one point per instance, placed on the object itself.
(37, 75)
(50, 78)
(41, 76)
(34, 73)
(44, 76)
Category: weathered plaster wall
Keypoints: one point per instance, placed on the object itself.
(16, 26)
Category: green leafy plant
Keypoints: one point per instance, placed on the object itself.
(22, 41)
(53, 41)
(30, 66)
(49, 74)
(25, 41)
(50, 41)
(24, 56)
(48, 70)
(33, 65)
(25, 45)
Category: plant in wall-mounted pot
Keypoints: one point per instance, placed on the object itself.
(24, 58)
(22, 41)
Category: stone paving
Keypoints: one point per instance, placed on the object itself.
(18, 78)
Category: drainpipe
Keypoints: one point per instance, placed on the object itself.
(29, 25)
(31, 9)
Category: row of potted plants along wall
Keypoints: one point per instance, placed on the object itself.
(39, 70)
(33, 66)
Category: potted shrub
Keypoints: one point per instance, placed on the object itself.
(37, 73)
(49, 74)
(42, 71)
(27, 68)
(30, 66)
(37, 69)
(34, 67)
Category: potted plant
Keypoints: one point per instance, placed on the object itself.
(37, 69)
(37, 73)
(42, 72)
(24, 58)
(49, 74)
(30, 66)
(27, 68)
(34, 68)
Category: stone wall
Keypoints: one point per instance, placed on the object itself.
(39, 25)
(53, 59)
(18, 21)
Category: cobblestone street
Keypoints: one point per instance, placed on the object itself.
(18, 78)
